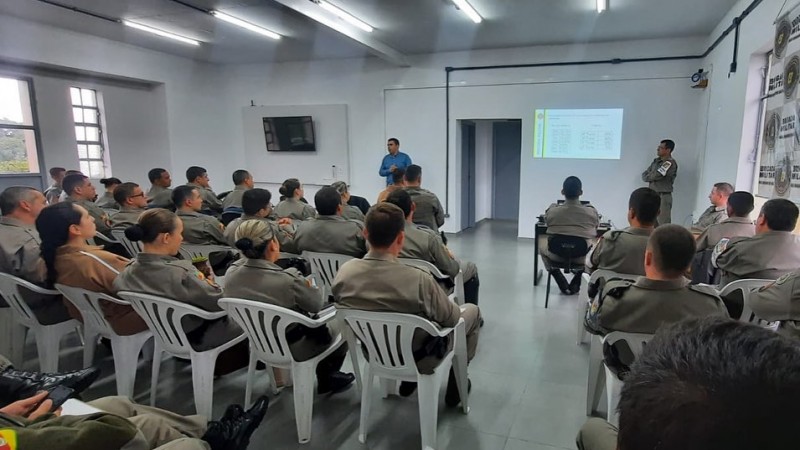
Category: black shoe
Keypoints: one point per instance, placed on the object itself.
(561, 281)
(335, 383)
(234, 434)
(407, 388)
(575, 283)
(17, 384)
(451, 397)
(232, 412)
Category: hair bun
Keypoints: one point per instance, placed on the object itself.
(244, 244)
(134, 232)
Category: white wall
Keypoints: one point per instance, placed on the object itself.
(484, 169)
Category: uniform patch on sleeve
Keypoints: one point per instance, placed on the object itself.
(721, 246)
(8, 439)
(664, 167)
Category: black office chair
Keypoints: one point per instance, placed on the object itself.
(230, 214)
(568, 248)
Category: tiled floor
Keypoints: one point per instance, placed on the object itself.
(529, 377)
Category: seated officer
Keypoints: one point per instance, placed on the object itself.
(197, 177)
(571, 219)
(330, 232)
(198, 228)
(717, 212)
(381, 283)
(429, 209)
(132, 202)
(160, 194)
(622, 251)
(256, 205)
(425, 244)
(738, 223)
(81, 191)
(348, 211)
(780, 301)
(242, 182)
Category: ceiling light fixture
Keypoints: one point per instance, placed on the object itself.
(602, 5)
(246, 25)
(161, 33)
(467, 9)
(344, 15)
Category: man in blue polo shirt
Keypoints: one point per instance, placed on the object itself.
(393, 161)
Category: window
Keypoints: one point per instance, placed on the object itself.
(89, 132)
(18, 128)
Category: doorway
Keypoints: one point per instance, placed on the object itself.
(506, 164)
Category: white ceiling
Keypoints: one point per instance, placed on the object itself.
(407, 26)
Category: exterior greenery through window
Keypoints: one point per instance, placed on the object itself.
(18, 146)
(88, 132)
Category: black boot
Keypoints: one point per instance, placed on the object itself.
(335, 383)
(233, 433)
(575, 283)
(452, 397)
(18, 384)
(561, 280)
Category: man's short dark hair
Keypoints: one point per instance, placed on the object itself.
(193, 172)
(123, 192)
(723, 188)
(741, 203)
(673, 248)
(327, 200)
(72, 181)
(254, 200)
(397, 175)
(240, 176)
(645, 204)
(401, 199)
(180, 194)
(780, 214)
(669, 144)
(155, 174)
(12, 196)
(712, 384)
(56, 170)
(384, 221)
(573, 188)
(395, 140)
(413, 172)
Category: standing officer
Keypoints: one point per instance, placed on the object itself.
(393, 161)
(661, 175)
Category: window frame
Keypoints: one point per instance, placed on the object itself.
(101, 141)
(35, 128)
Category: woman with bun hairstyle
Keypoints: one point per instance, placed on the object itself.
(64, 228)
(258, 278)
(157, 271)
(107, 199)
(291, 206)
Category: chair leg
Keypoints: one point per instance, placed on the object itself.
(428, 388)
(583, 308)
(126, 361)
(547, 294)
(388, 387)
(366, 399)
(155, 371)
(303, 376)
(89, 346)
(251, 375)
(356, 367)
(12, 337)
(48, 344)
(594, 389)
(203, 381)
(613, 390)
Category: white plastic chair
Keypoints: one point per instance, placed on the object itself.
(747, 286)
(101, 240)
(192, 251)
(324, 267)
(597, 375)
(584, 301)
(163, 316)
(48, 337)
(458, 289)
(636, 342)
(388, 339)
(126, 349)
(133, 248)
(265, 325)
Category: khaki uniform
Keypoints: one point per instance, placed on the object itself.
(712, 215)
(201, 229)
(780, 301)
(385, 193)
(350, 212)
(425, 244)
(331, 234)
(20, 256)
(159, 197)
(76, 268)
(644, 305)
(661, 176)
(572, 219)
(382, 284)
(234, 198)
(295, 210)
(285, 233)
(106, 201)
(210, 200)
(126, 217)
(728, 228)
(179, 280)
(621, 251)
(597, 434)
(429, 211)
(768, 255)
(101, 219)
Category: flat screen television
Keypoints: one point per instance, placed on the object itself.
(289, 134)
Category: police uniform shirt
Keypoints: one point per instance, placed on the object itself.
(621, 251)
(728, 228)
(101, 220)
(234, 198)
(780, 301)
(712, 215)
(331, 234)
(159, 197)
(768, 255)
(351, 212)
(285, 233)
(107, 201)
(425, 244)
(126, 217)
(661, 174)
(572, 218)
(210, 200)
(294, 209)
(644, 305)
(429, 211)
(201, 229)
(20, 251)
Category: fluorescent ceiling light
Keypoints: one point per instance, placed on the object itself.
(161, 33)
(467, 9)
(352, 20)
(245, 25)
(602, 5)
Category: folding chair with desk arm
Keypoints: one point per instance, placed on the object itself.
(458, 289)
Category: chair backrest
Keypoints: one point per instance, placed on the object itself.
(10, 289)
(422, 264)
(265, 325)
(163, 317)
(599, 278)
(110, 211)
(635, 341)
(388, 338)
(747, 286)
(133, 248)
(192, 251)
(88, 303)
(566, 246)
(230, 214)
(101, 239)
(324, 267)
